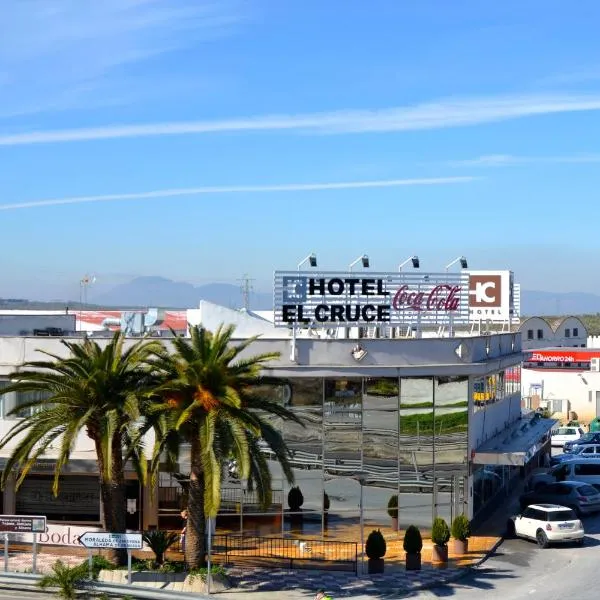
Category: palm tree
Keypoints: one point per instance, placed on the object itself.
(207, 399)
(97, 390)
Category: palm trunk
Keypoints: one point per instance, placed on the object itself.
(112, 497)
(195, 545)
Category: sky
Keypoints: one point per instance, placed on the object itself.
(203, 140)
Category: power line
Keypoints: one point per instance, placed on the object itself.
(246, 287)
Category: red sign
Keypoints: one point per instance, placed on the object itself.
(561, 356)
(442, 297)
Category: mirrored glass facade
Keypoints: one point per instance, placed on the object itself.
(369, 441)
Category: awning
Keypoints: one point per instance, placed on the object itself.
(516, 445)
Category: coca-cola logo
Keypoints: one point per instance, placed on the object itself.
(441, 298)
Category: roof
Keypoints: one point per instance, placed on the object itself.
(551, 507)
(517, 444)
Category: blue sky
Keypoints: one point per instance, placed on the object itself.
(203, 140)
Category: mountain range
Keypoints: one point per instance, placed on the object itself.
(164, 292)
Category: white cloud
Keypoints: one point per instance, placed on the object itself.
(242, 189)
(507, 160)
(434, 115)
(60, 54)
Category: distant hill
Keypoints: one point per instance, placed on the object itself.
(163, 292)
(549, 303)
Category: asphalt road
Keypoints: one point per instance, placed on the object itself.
(10, 594)
(521, 570)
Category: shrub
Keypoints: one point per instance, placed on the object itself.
(67, 579)
(99, 563)
(375, 547)
(440, 534)
(461, 529)
(393, 506)
(413, 543)
(295, 498)
(159, 542)
(202, 572)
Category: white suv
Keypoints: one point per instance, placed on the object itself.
(547, 524)
(561, 435)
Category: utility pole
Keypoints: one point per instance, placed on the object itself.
(246, 288)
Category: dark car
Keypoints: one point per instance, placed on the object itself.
(586, 438)
(581, 451)
(581, 497)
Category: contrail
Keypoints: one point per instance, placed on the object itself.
(443, 113)
(242, 189)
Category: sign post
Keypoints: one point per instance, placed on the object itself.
(117, 541)
(22, 524)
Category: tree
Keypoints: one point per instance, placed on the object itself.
(208, 400)
(97, 390)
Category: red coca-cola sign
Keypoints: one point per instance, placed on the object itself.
(441, 298)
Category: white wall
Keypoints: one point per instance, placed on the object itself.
(570, 324)
(485, 424)
(573, 386)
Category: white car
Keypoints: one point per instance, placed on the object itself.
(561, 435)
(547, 524)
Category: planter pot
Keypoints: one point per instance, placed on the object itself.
(413, 562)
(395, 523)
(439, 554)
(460, 546)
(375, 565)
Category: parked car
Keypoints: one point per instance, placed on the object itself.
(580, 497)
(583, 451)
(586, 438)
(561, 435)
(585, 470)
(547, 524)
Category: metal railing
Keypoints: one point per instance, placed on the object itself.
(286, 553)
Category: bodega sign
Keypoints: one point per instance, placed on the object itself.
(346, 300)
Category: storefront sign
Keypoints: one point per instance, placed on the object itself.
(22, 524)
(345, 299)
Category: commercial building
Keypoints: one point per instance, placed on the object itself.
(563, 380)
(433, 419)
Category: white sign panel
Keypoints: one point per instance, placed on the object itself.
(491, 296)
(129, 541)
(346, 299)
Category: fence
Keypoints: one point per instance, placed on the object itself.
(279, 552)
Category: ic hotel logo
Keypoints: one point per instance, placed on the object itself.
(485, 291)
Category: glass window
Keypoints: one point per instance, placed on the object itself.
(561, 515)
(567, 333)
(529, 513)
(586, 469)
(530, 334)
(587, 490)
(540, 334)
(575, 332)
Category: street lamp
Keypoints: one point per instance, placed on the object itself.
(462, 260)
(415, 262)
(311, 259)
(364, 259)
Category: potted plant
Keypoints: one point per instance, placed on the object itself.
(461, 532)
(440, 535)
(375, 549)
(393, 511)
(295, 499)
(413, 544)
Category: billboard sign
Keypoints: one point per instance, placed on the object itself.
(347, 299)
(22, 524)
(491, 296)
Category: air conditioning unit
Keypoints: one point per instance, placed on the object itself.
(595, 364)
